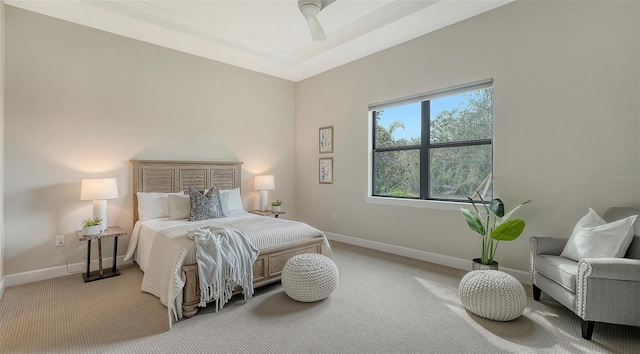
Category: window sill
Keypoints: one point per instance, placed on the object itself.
(413, 203)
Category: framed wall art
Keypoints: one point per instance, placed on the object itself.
(326, 140)
(326, 170)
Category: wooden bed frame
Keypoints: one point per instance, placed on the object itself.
(176, 176)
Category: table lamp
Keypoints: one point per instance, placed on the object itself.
(99, 190)
(264, 184)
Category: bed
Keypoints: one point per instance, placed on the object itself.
(167, 257)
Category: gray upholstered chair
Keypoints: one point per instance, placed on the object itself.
(596, 289)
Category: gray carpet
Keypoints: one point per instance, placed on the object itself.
(383, 304)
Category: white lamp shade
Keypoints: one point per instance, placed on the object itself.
(99, 189)
(264, 183)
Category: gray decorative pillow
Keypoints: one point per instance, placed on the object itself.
(206, 206)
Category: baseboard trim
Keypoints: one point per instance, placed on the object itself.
(1, 287)
(77, 268)
(453, 262)
(55, 272)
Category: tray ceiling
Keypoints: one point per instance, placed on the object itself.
(268, 36)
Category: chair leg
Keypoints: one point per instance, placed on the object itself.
(536, 293)
(587, 329)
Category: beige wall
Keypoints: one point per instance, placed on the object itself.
(2, 27)
(566, 122)
(81, 103)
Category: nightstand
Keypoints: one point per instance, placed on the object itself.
(112, 231)
(275, 214)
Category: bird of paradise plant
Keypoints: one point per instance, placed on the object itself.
(494, 226)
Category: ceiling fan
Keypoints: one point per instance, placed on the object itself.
(310, 8)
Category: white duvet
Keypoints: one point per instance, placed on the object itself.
(161, 247)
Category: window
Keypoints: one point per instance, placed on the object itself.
(434, 146)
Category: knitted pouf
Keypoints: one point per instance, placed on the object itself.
(492, 294)
(309, 277)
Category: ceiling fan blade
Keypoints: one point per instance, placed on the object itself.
(326, 3)
(317, 33)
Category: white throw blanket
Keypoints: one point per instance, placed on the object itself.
(225, 260)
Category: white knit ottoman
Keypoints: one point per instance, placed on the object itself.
(492, 294)
(309, 277)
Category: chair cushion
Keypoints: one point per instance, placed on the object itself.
(559, 269)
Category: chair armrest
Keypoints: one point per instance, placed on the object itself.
(607, 290)
(610, 268)
(547, 245)
(543, 245)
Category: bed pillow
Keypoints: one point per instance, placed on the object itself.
(153, 205)
(231, 200)
(179, 207)
(593, 237)
(205, 206)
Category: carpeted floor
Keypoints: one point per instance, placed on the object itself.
(383, 304)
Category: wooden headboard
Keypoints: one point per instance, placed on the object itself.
(176, 176)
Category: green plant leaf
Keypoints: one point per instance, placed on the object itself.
(509, 230)
(508, 215)
(473, 221)
(92, 222)
(497, 207)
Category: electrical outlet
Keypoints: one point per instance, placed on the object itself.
(59, 240)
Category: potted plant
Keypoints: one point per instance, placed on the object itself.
(276, 206)
(494, 226)
(91, 226)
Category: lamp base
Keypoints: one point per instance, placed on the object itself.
(264, 200)
(100, 211)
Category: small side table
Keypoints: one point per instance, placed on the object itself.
(275, 214)
(112, 231)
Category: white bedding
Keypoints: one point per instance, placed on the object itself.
(161, 247)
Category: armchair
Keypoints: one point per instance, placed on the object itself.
(595, 289)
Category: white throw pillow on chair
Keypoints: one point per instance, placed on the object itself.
(593, 237)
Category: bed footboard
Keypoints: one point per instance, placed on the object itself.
(266, 269)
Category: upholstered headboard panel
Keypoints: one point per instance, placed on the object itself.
(176, 176)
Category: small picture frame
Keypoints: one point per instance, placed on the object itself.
(326, 170)
(326, 140)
